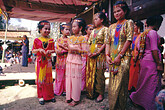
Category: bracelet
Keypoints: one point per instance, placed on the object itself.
(121, 55)
(107, 55)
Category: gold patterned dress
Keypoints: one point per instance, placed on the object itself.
(119, 75)
(95, 79)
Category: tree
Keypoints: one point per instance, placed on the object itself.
(2, 22)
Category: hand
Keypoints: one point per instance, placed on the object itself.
(89, 54)
(109, 60)
(48, 52)
(117, 61)
(42, 51)
(160, 67)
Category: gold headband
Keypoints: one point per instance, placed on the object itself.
(45, 23)
(119, 5)
(76, 20)
(89, 25)
(65, 26)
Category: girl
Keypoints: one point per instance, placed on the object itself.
(134, 63)
(74, 62)
(118, 56)
(95, 79)
(43, 47)
(88, 30)
(150, 65)
(61, 51)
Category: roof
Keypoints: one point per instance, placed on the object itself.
(51, 10)
(14, 35)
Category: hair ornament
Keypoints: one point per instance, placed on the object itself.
(119, 5)
(44, 23)
(77, 20)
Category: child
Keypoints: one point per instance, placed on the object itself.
(88, 30)
(61, 51)
(95, 79)
(43, 47)
(74, 62)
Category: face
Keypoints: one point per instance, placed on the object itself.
(119, 14)
(24, 38)
(45, 31)
(66, 31)
(75, 28)
(89, 30)
(97, 21)
(135, 28)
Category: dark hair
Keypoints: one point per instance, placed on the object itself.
(81, 23)
(41, 26)
(62, 27)
(102, 16)
(124, 7)
(154, 21)
(25, 36)
(140, 25)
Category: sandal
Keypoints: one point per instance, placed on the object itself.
(68, 101)
(74, 103)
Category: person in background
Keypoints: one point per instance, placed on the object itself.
(118, 55)
(95, 79)
(151, 68)
(61, 51)
(76, 47)
(88, 30)
(25, 50)
(134, 63)
(43, 47)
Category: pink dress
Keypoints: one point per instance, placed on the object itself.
(149, 79)
(74, 69)
(60, 69)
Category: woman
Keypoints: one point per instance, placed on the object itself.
(76, 47)
(43, 47)
(61, 51)
(134, 63)
(118, 56)
(150, 65)
(95, 79)
(25, 50)
(88, 30)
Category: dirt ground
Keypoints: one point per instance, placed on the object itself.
(25, 98)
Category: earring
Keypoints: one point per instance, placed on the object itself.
(80, 33)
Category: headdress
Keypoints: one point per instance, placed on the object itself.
(118, 5)
(89, 25)
(65, 26)
(44, 23)
(77, 20)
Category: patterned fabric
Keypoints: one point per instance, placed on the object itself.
(60, 67)
(74, 68)
(160, 100)
(43, 68)
(118, 84)
(95, 79)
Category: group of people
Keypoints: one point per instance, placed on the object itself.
(81, 60)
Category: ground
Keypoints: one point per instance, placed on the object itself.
(14, 97)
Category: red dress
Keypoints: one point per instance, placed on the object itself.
(43, 67)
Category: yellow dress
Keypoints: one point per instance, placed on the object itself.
(95, 79)
(118, 84)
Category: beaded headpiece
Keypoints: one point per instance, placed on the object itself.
(76, 20)
(89, 25)
(44, 23)
(65, 26)
(119, 5)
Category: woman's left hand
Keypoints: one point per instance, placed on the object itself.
(117, 61)
(94, 54)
